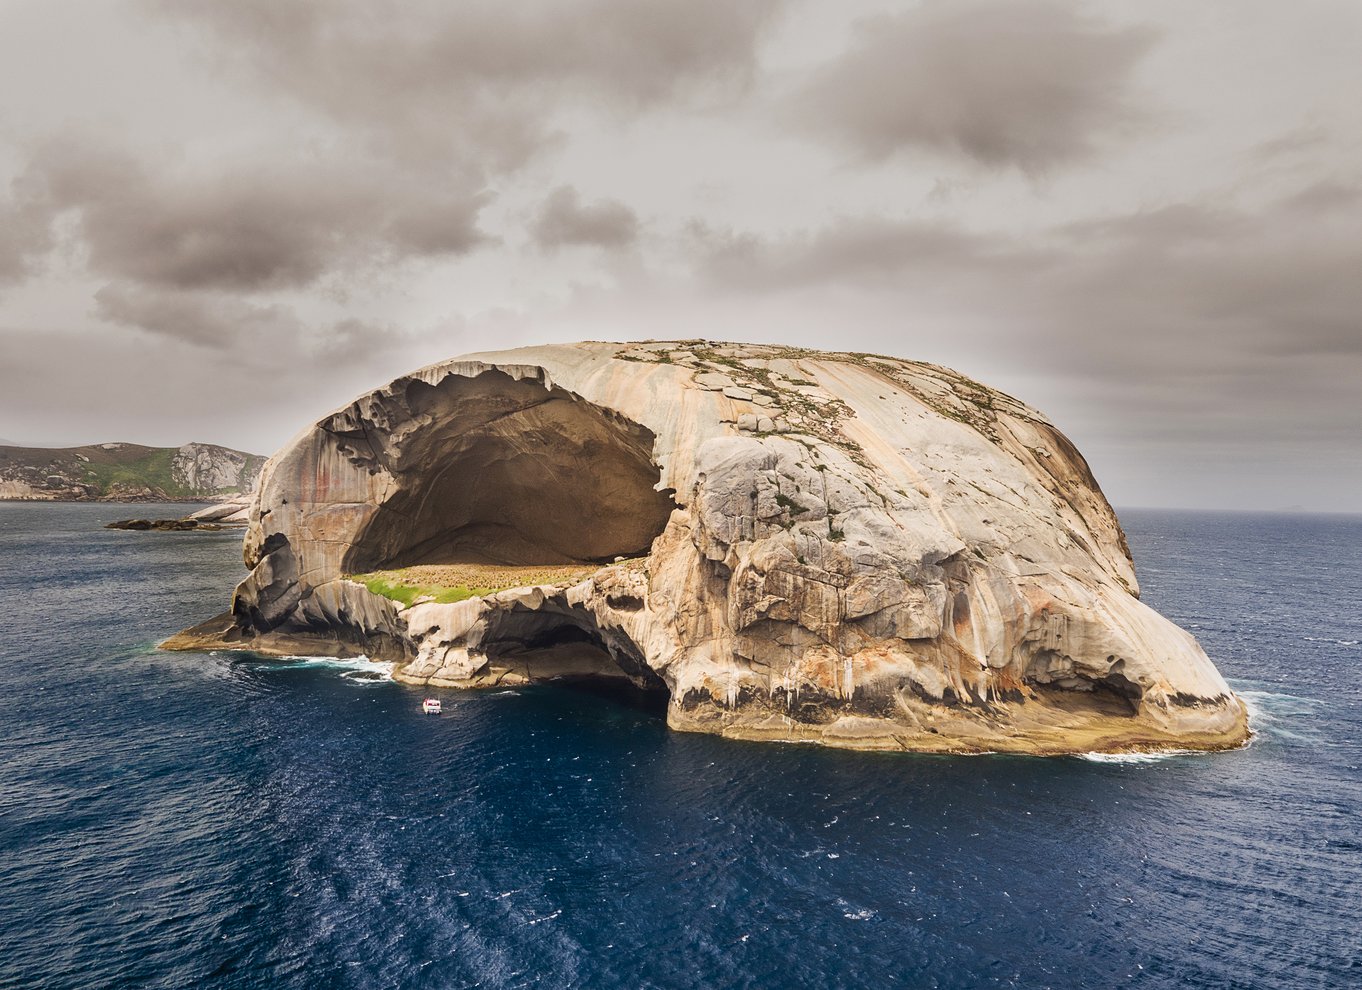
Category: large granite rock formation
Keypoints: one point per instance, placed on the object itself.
(793, 545)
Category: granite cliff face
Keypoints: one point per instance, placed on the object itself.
(784, 544)
(206, 467)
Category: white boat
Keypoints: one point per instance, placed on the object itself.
(431, 706)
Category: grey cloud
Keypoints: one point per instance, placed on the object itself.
(270, 225)
(564, 219)
(209, 320)
(262, 335)
(1293, 143)
(1276, 280)
(116, 386)
(25, 232)
(1195, 326)
(435, 224)
(853, 250)
(417, 116)
(480, 80)
(1026, 83)
(1281, 276)
(1324, 199)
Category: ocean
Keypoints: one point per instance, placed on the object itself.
(216, 820)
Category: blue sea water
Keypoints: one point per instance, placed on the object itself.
(190, 820)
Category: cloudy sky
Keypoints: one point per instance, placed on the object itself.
(220, 220)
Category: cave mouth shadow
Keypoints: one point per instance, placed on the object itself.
(622, 694)
(513, 472)
(569, 653)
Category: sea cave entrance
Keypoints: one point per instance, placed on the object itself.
(565, 647)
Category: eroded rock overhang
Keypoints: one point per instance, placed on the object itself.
(478, 465)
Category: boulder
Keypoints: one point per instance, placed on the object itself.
(889, 556)
(235, 511)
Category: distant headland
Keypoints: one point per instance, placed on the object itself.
(126, 472)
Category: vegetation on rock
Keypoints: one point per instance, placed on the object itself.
(126, 471)
(446, 583)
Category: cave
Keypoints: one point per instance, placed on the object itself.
(566, 648)
(1053, 677)
(506, 471)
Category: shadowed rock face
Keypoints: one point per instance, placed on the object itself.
(509, 472)
(859, 551)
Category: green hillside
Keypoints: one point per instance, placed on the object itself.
(126, 470)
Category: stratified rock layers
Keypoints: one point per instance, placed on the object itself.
(840, 548)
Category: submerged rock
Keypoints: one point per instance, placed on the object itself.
(231, 512)
(794, 545)
(164, 525)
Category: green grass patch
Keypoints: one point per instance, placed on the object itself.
(446, 583)
(150, 471)
(408, 593)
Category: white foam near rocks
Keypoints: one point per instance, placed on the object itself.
(1137, 758)
(373, 670)
(1275, 715)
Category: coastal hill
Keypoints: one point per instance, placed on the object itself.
(126, 472)
(779, 543)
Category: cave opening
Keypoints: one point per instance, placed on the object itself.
(567, 649)
(513, 472)
(1055, 679)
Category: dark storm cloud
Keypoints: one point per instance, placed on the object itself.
(564, 219)
(268, 334)
(260, 226)
(480, 80)
(1026, 83)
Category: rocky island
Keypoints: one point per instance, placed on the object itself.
(779, 543)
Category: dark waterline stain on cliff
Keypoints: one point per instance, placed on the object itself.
(219, 821)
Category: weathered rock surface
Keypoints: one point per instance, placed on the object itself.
(211, 469)
(234, 511)
(841, 548)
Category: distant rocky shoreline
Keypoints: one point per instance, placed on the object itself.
(126, 472)
(232, 514)
(164, 525)
(119, 499)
